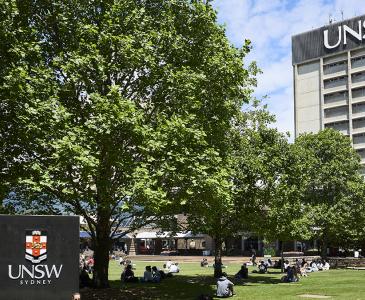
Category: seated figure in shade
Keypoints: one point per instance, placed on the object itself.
(224, 287)
(156, 274)
(147, 275)
(291, 275)
(128, 275)
(242, 273)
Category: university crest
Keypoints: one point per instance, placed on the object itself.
(35, 246)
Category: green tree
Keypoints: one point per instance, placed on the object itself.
(334, 189)
(235, 194)
(114, 107)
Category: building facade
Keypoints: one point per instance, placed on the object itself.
(329, 80)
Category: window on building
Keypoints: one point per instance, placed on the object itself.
(357, 93)
(358, 138)
(335, 67)
(335, 97)
(357, 62)
(334, 82)
(358, 108)
(358, 77)
(358, 123)
(336, 112)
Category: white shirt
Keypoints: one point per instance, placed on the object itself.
(173, 269)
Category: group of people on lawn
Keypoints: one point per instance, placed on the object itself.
(151, 274)
(300, 268)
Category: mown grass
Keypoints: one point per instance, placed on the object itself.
(193, 281)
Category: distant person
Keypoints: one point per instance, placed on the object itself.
(320, 265)
(174, 268)
(156, 275)
(168, 264)
(90, 265)
(262, 268)
(326, 266)
(204, 262)
(277, 264)
(242, 273)
(253, 257)
(290, 275)
(304, 268)
(224, 287)
(269, 263)
(313, 266)
(147, 275)
(286, 265)
(128, 275)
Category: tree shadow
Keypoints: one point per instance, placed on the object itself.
(179, 287)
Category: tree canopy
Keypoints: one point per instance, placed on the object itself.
(114, 107)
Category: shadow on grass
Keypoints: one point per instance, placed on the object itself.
(179, 287)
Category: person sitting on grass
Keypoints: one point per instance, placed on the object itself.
(147, 275)
(156, 275)
(326, 266)
(204, 263)
(174, 268)
(313, 266)
(243, 273)
(224, 287)
(277, 264)
(168, 264)
(269, 263)
(128, 275)
(303, 268)
(286, 265)
(291, 275)
(262, 267)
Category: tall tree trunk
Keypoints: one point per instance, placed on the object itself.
(218, 257)
(324, 247)
(101, 254)
(282, 256)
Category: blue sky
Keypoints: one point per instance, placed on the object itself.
(269, 24)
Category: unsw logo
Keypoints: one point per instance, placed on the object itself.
(35, 246)
(35, 252)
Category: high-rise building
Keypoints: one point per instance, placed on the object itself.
(329, 80)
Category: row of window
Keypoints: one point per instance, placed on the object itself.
(343, 95)
(342, 80)
(344, 125)
(357, 108)
(339, 66)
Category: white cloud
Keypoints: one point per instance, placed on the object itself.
(270, 25)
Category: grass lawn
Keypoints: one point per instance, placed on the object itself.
(194, 280)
